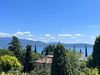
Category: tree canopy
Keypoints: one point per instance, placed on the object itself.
(15, 46)
(28, 59)
(96, 53)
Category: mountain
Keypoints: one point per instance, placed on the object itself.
(4, 41)
(40, 45)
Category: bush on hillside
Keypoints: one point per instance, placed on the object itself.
(9, 62)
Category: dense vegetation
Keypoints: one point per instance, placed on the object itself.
(96, 53)
(18, 61)
(9, 62)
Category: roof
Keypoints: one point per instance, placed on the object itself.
(48, 59)
(45, 60)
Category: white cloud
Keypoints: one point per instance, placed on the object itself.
(78, 35)
(65, 35)
(92, 26)
(59, 37)
(46, 38)
(66, 38)
(4, 34)
(70, 35)
(73, 37)
(21, 35)
(52, 37)
(47, 35)
(24, 35)
(92, 37)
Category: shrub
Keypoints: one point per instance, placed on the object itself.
(9, 62)
(90, 72)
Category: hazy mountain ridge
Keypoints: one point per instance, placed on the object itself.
(40, 45)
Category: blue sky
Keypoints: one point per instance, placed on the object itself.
(68, 21)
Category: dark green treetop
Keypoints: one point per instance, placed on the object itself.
(35, 49)
(48, 50)
(28, 59)
(86, 54)
(15, 46)
(60, 64)
(96, 53)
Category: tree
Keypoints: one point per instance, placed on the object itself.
(86, 54)
(80, 51)
(35, 49)
(28, 59)
(48, 50)
(74, 47)
(6, 52)
(36, 56)
(96, 53)
(90, 72)
(8, 62)
(15, 46)
(89, 62)
(60, 64)
(73, 57)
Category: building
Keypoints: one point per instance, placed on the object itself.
(44, 63)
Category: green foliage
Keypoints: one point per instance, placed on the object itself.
(60, 64)
(6, 52)
(15, 46)
(48, 50)
(36, 56)
(89, 62)
(96, 53)
(90, 72)
(28, 59)
(65, 62)
(68, 67)
(83, 65)
(73, 57)
(14, 73)
(9, 62)
(39, 72)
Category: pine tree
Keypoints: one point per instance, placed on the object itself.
(28, 59)
(60, 64)
(15, 46)
(35, 49)
(96, 53)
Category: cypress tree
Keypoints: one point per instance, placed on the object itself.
(86, 54)
(46, 51)
(35, 49)
(60, 64)
(74, 47)
(80, 51)
(15, 46)
(28, 59)
(96, 53)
